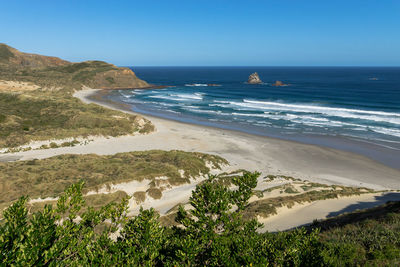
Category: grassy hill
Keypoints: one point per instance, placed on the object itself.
(36, 102)
(53, 72)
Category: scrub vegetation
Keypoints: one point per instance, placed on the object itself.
(36, 101)
(362, 238)
(213, 232)
(266, 202)
(268, 206)
(49, 177)
(42, 115)
(57, 74)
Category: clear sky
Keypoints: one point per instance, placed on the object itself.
(208, 32)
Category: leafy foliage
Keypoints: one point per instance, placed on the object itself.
(370, 237)
(212, 232)
(215, 225)
(59, 235)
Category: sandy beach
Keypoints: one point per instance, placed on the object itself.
(243, 151)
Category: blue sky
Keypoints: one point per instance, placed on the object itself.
(208, 33)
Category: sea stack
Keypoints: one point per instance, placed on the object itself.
(254, 78)
(279, 83)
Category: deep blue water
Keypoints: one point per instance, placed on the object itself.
(350, 103)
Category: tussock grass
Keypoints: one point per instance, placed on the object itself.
(154, 193)
(267, 207)
(39, 116)
(226, 178)
(66, 77)
(273, 188)
(96, 201)
(49, 177)
(290, 189)
(140, 196)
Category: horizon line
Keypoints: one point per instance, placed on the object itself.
(258, 66)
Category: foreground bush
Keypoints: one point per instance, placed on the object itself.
(211, 232)
(366, 237)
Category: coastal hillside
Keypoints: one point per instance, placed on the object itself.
(56, 73)
(37, 103)
(58, 119)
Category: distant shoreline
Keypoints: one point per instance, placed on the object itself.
(151, 87)
(376, 152)
(265, 154)
(243, 151)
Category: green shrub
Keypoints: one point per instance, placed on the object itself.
(212, 232)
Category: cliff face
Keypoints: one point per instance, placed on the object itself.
(118, 78)
(46, 71)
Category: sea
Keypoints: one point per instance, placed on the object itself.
(355, 109)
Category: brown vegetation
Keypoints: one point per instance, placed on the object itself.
(41, 115)
(52, 72)
(49, 177)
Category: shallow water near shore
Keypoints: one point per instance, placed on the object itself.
(352, 109)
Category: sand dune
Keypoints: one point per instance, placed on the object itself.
(267, 155)
(243, 151)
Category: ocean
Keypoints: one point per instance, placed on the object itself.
(355, 109)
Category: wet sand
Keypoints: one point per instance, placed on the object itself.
(243, 151)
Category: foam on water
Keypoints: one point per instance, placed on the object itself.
(306, 110)
(329, 102)
(196, 85)
(177, 97)
(318, 108)
(194, 96)
(386, 131)
(291, 115)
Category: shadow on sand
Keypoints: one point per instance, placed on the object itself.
(354, 213)
(379, 200)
